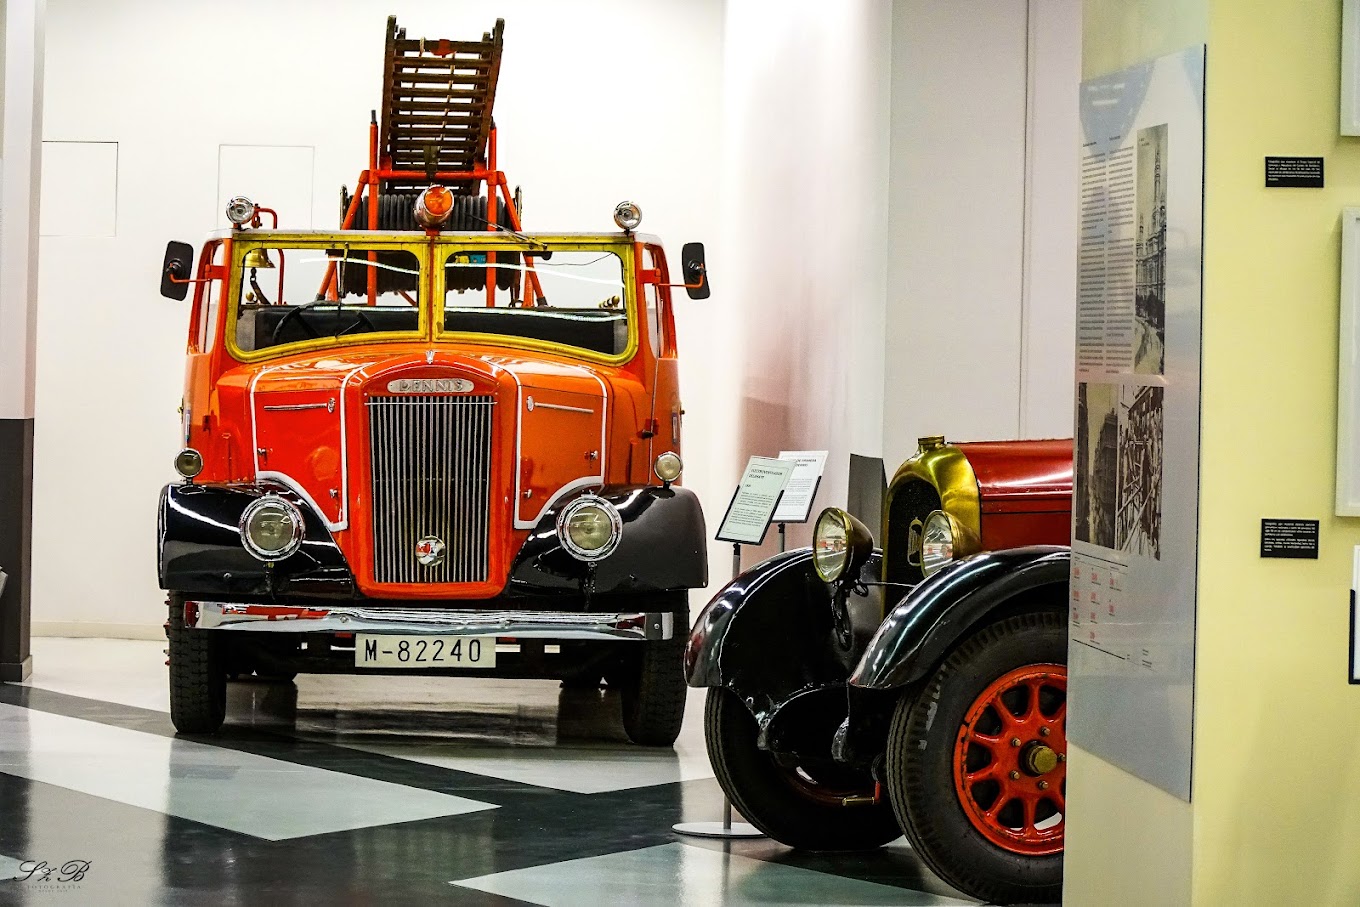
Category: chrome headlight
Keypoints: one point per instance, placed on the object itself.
(241, 210)
(937, 541)
(668, 467)
(627, 215)
(271, 528)
(189, 463)
(840, 544)
(589, 528)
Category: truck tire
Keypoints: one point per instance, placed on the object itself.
(976, 762)
(198, 679)
(787, 803)
(653, 693)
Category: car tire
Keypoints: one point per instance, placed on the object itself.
(198, 679)
(973, 803)
(786, 803)
(653, 696)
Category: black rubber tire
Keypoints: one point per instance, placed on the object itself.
(761, 789)
(653, 697)
(919, 768)
(198, 679)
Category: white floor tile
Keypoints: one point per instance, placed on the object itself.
(254, 795)
(125, 671)
(584, 767)
(677, 874)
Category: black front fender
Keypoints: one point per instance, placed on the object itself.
(662, 547)
(772, 635)
(201, 551)
(934, 615)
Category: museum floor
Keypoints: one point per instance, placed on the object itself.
(366, 791)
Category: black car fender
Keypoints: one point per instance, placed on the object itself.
(775, 637)
(200, 549)
(662, 547)
(934, 616)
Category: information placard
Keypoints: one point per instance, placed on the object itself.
(808, 466)
(755, 501)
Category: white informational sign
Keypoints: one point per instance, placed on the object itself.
(808, 466)
(1135, 518)
(753, 505)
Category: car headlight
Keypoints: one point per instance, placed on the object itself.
(668, 467)
(271, 528)
(589, 528)
(938, 535)
(189, 463)
(840, 544)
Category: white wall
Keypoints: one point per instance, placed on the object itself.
(863, 180)
(979, 321)
(599, 100)
(805, 159)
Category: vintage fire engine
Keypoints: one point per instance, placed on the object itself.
(857, 694)
(428, 441)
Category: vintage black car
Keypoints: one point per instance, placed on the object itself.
(858, 694)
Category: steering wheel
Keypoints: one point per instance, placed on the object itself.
(289, 316)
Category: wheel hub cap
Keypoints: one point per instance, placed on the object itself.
(1040, 760)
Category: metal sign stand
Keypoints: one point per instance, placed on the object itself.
(726, 828)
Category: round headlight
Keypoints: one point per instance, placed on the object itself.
(937, 541)
(271, 528)
(189, 463)
(668, 467)
(240, 210)
(589, 528)
(627, 215)
(840, 544)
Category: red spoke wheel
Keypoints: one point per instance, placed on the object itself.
(977, 761)
(1010, 762)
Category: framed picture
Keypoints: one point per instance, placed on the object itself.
(1350, 67)
(1348, 371)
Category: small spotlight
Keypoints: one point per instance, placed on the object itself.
(627, 215)
(241, 210)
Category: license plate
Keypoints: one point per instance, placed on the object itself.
(380, 651)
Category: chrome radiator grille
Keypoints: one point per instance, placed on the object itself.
(431, 480)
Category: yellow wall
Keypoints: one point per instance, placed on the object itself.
(1277, 730)
(1276, 796)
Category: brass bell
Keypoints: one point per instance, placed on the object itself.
(257, 258)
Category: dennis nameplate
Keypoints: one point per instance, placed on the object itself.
(429, 386)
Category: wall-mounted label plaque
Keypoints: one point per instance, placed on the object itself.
(1293, 173)
(1289, 538)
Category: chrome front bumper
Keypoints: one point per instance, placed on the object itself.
(430, 621)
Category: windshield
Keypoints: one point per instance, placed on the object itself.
(567, 296)
(293, 294)
(571, 295)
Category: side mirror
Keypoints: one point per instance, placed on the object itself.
(694, 269)
(175, 270)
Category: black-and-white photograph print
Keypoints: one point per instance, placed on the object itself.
(1096, 474)
(1139, 525)
(1149, 321)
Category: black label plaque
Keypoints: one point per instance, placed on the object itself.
(1289, 538)
(1293, 173)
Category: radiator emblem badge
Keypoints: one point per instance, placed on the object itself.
(429, 386)
(430, 551)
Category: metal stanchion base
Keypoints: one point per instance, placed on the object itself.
(724, 829)
(717, 830)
